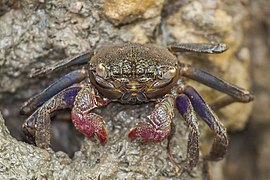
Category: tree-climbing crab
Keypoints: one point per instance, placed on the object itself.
(132, 74)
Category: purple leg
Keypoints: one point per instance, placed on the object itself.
(159, 126)
(63, 64)
(64, 82)
(236, 93)
(86, 122)
(220, 143)
(185, 108)
(38, 125)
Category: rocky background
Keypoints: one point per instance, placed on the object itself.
(34, 33)
(249, 151)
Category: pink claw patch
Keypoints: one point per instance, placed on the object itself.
(90, 124)
(148, 133)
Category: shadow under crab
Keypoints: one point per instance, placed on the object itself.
(134, 74)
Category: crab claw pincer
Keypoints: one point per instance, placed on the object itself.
(90, 124)
(148, 133)
(159, 126)
(85, 121)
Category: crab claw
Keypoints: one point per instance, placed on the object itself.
(90, 124)
(148, 133)
(159, 126)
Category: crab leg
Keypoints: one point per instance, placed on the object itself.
(159, 126)
(238, 94)
(219, 147)
(87, 122)
(199, 47)
(64, 82)
(185, 108)
(39, 123)
(63, 64)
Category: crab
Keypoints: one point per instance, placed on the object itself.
(132, 73)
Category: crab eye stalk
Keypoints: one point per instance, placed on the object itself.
(169, 74)
(101, 70)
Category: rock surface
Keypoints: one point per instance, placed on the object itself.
(37, 33)
(249, 153)
(118, 159)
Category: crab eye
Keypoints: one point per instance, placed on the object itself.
(101, 70)
(169, 74)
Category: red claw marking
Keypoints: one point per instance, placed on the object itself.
(149, 133)
(159, 126)
(88, 123)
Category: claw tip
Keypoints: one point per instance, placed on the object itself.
(132, 135)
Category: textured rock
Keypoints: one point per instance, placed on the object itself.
(118, 159)
(37, 33)
(126, 11)
(249, 153)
